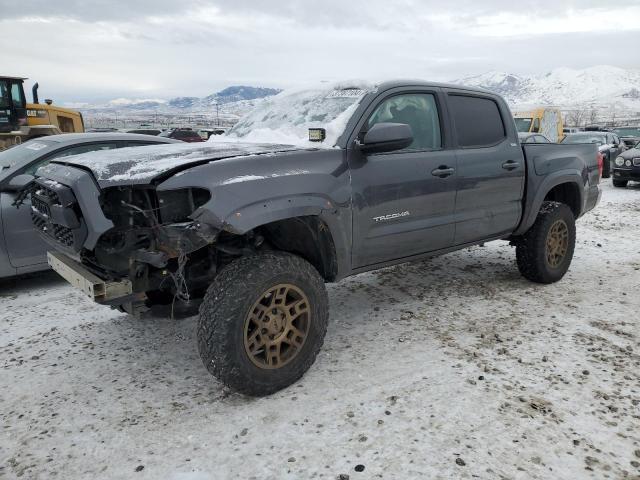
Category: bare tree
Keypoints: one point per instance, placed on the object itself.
(576, 118)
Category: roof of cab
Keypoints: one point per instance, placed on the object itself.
(422, 83)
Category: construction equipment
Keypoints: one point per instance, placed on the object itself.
(545, 120)
(21, 121)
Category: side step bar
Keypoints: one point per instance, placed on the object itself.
(96, 288)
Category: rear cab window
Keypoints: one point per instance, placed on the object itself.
(477, 121)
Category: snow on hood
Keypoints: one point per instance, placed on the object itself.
(138, 165)
(287, 117)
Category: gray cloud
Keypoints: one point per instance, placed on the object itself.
(103, 49)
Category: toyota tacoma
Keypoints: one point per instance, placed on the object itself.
(311, 187)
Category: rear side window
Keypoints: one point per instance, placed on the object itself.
(478, 122)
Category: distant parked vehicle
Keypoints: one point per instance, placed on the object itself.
(626, 167)
(184, 134)
(609, 144)
(532, 138)
(547, 121)
(207, 133)
(630, 135)
(570, 130)
(146, 131)
(21, 250)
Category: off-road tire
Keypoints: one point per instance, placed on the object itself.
(620, 183)
(531, 248)
(221, 331)
(606, 167)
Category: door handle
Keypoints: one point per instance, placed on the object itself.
(443, 171)
(510, 165)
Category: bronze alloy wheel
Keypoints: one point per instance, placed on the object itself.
(277, 326)
(557, 243)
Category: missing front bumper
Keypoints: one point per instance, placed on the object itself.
(96, 288)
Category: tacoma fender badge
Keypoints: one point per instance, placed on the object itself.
(391, 216)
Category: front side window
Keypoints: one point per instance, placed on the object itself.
(419, 111)
(478, 122)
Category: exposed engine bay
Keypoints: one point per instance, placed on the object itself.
(156, 241)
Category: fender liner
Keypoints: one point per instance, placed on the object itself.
(533, 203)
(254, 215)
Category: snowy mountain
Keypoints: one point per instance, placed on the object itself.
(241, 95)
(595, 87)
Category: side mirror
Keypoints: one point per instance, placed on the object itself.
(387, 137)
(18, 183)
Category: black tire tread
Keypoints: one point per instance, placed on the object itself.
(531, 247)
(620, 183)
(606, 167)
(226, 297)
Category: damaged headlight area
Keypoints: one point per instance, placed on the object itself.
(154, 242)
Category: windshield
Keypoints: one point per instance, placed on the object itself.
(627, 131)
(588, 138)
(22, 155)
(523, 124)
(286, 117)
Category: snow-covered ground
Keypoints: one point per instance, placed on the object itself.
(451, 368)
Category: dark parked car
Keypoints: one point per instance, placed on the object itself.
(184, 134)
(609, 144)
(629, 135)
(626, 167)
(378, 176)
(532, 138)
(21, 249)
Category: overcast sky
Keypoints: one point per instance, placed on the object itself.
(83, 50)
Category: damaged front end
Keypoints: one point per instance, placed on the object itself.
(152, 248)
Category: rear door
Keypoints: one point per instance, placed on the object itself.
(401, 207)
(491, 168)
(24, 245)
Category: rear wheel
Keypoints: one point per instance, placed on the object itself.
(619, 183)
(262, 322)
(544, 253)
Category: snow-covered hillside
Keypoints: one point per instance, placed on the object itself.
(597, 87)
(238, 98)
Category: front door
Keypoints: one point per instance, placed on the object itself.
(403, 200)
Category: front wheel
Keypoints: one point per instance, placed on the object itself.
(606, 166)
(262, 322)
(619, 183)
(545, 251)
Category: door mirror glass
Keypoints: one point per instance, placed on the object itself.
(387, 137)
(18, 183)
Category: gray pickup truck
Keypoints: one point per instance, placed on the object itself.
(359, 177)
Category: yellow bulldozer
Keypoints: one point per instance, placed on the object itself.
(21, 121)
